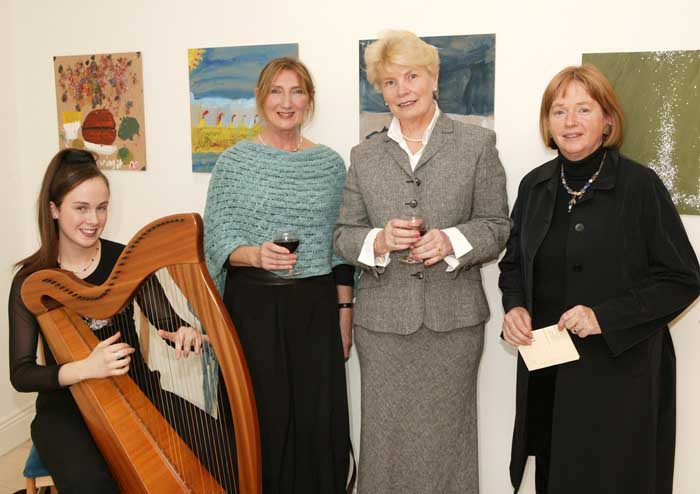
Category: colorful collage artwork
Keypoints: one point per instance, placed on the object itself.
(222, 97)
(660, 96)
(100, 107)
(466, 86)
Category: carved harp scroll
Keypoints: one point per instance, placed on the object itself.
(145, 452)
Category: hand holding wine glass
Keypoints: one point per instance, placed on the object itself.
(289, 240)
(397, 234)
(433, 247)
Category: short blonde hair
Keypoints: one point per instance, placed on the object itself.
(270, 72)
(401, 48)
(598, 87)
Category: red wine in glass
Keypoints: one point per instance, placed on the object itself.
(290, 245)
(288, 239)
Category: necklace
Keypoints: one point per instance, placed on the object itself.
(297, 148)
(410, 139)
(577, 194)
(87, 266)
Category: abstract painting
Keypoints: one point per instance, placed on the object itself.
(660, 96)
(466, 85)
(100, 107)
(222, 97)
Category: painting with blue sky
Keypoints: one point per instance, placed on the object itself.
(466, 85)
(222, 96)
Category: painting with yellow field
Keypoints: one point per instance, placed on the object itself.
(222, 97)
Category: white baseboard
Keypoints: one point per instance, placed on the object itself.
(14, 429)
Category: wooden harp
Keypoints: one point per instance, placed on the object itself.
(156, 439)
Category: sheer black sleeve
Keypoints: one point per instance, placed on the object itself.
(344, 274)
(26, 374)
(155, 304)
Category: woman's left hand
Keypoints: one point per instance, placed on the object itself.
(433, 247)
(580, 320)
(345, 319)
(185, 339)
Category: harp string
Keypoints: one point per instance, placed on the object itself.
(213, 437)
(182, 383)
(201, 426)
(221, 453)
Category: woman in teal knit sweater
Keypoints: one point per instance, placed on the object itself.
(295, 330)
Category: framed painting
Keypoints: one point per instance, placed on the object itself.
(100, 107)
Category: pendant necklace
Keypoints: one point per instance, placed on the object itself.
(577, 194)
(87, 266)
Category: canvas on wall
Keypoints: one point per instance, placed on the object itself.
(222, 96)
(465, 89)
(660, 96)
(100, 107)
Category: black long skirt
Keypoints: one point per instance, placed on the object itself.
(291, 339)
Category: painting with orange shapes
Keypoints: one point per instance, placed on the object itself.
(100, 107)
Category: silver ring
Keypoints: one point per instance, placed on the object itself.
(118, 354)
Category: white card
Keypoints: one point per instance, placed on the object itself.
(549, 347)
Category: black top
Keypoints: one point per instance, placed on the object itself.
(28, 376)
(549, 290)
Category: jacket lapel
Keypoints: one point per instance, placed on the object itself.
(438, 140)
(398, 155)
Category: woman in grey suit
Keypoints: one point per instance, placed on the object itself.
(419, 327)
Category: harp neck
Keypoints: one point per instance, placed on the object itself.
(171, 240)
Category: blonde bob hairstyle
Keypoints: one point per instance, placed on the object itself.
(598, 87)
(400, 48)
(270, 72)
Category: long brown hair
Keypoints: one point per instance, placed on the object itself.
(67, 169)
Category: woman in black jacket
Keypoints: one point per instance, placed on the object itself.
(597, 248)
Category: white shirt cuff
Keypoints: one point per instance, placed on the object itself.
(367, 257)
(460, 246)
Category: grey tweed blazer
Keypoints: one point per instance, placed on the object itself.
(458, 182)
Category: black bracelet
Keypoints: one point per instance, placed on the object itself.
(346, 305)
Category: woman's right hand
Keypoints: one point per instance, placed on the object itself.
(108, 358)
(272, 257)
(396, 235)
(517, 326)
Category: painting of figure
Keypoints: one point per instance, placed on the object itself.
(100, 107)
(222, 97)
(465, 89)
(660, 95)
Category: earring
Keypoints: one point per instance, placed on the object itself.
(386, 104)
(607, 129)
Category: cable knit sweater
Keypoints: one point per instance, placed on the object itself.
(255, 190)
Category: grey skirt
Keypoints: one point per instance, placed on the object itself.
(419, 432)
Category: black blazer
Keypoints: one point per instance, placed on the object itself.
(636, 267)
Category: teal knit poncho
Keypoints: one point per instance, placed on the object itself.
(255, 190)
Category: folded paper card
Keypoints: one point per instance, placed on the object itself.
(549, 347)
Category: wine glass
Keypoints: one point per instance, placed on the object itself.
(416, 223)
(288, 239)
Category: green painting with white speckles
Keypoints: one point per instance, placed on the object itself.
(660, 96)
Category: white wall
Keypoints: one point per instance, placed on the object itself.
(16, 411)
(533, 41)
